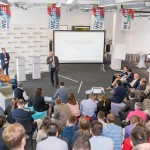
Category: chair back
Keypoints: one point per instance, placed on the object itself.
(27, 124)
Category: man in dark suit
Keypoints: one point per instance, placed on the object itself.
(119, 93)
(53, 63)
(5, 60)
(128, 107)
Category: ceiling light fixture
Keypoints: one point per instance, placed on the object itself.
(69, 1)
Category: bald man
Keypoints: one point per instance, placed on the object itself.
(53, 63)
(135, 83)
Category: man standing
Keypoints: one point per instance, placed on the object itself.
(4, 56)
(53, 63)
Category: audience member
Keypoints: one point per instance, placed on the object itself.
(119, 93)
(144, 146)
(73, 105)
(20, 93)
(101, 117)
(137, 112)
(113, 131)
(52, 141)
(61, 112)
(82, 144)
(103, 104)
(9, 110)
(142, 85)
(147, 90)
(117, 77)
(2, 127)
(139, 135)
(130, 76)
(128, 107)
(146, 106)
(42, 133)
(89, 107)
(84, 129)
(69, 130)
(142, 96)
(97, 140)
(133, 120)
(39, 103)
(14, 136)
(62, 93)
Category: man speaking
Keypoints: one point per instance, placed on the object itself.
(53, 63)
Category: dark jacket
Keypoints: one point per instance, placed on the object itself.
(2, 57)
(49, 62)
(141, 87)
(8, 112)
(68, 133)
(39, 103)
(2, 144)
(119, 94)
(130, 78)
(136, 84)
(18, 93)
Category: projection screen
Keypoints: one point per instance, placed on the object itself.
(79, 46)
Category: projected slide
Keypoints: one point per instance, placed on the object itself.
(79, 46)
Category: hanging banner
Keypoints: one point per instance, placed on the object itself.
(54, 16)
(97, 18)
(5, 14)
(127, 19)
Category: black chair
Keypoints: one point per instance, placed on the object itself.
(28, 126)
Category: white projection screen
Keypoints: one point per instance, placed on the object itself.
(79, 46)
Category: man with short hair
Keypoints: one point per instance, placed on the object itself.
(52, 141)
(100, 117)
(128, 107)
(14, 136)
(53, 63)
(89, 107)
(138, 112)
(114, 132)
(20, 93)
(69, 130)
(62, 93)
(97, 140)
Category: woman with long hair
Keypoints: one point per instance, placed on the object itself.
(73, 105)
(103, 104)
(42, 133)
(9, 110)
(84, 129)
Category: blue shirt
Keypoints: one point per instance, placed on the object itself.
(115, 133)
(88, 107)
(101, 143)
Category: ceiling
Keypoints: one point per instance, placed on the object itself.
(109, 5)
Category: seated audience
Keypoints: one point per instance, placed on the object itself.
(142, 85)
(89, 107)
(61, 112)
(101, 117)
(147, 90)
(9, 110)
(137, 112)
(84, 130)
(21, 113)
(69, 131)
(117, 77)
(81, 144)
(39, 103)
(130, 76)
(139, 135)
(119, 93)
(103, 104)
(146, 106)
(14, 136)
(97, 140)
(142, 96)
(128, 145)
(133, 121)
(113, 131)
(73, 105)
(128, 107)
(2, 127)
(62, 93)
(52, 141)
(20, 93)
(42, 133)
